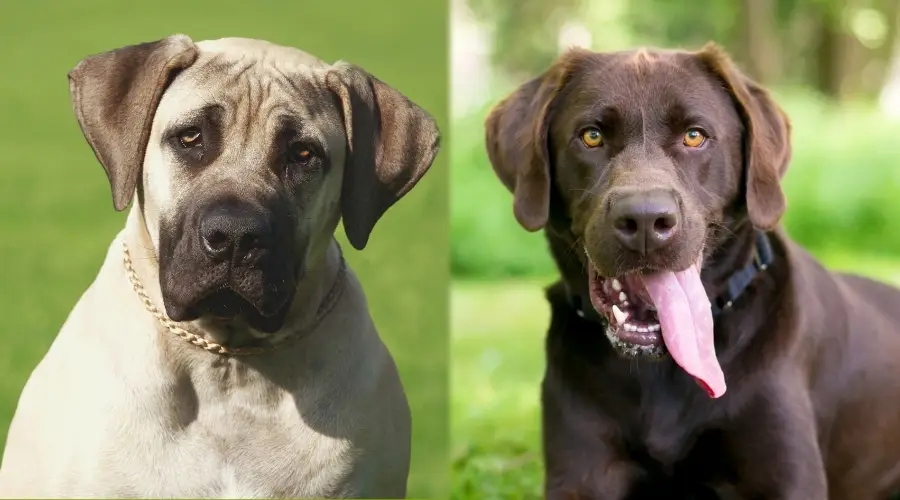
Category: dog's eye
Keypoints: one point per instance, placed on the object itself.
(591, 137)
(694, 138)
(300, 154)
(190, 138)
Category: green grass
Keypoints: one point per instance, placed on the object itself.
(56, 216)
(843, 190)
(497, 350)
(497, 354)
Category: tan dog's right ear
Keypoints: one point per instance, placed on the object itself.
(516, 133)
(392, 143)
(115, 95)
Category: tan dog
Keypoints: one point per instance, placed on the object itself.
(224, 350)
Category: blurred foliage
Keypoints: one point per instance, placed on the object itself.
(843, 190)
(524, 30)
(838, 47)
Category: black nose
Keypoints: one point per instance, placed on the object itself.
(645, 221)
(233, 231)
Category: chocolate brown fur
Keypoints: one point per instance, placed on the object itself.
(811, 357)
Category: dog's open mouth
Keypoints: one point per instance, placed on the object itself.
(633, 321)
(661, 312)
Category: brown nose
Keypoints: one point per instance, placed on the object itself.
(645, 221)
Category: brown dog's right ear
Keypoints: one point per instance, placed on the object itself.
(115, 95)
(516, 133)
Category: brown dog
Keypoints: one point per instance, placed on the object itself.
(656, 176)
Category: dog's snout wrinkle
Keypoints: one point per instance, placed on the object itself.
(233, 231)
(645, 221)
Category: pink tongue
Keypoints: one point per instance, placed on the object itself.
(685, 318)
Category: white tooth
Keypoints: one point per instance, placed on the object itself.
(622, 296)
(620, 315)
(654, 328)
(651, 308)
(643, 329)
(625, 304)
(616, 285)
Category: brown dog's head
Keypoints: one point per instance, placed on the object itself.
(245, 155)
(648, 152)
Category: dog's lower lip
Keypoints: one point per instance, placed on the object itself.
(639, 338)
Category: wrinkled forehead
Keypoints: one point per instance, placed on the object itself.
(646, 84)
(252, 83)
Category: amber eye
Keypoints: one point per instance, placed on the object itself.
(190, 138)
(592, 138)
(300, 154)
(694, 138)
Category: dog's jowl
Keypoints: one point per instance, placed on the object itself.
(694, 350)
(225, 349)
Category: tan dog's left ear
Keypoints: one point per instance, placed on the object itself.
(767, 142)
(391, 142)
(115, 95)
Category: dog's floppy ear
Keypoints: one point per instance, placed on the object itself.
(391, 142)
(516, 134)
(767, 145)
(115, 95)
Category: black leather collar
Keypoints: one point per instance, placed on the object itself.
(741, 279)
(737, 283)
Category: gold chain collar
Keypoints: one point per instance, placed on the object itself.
(325, 307)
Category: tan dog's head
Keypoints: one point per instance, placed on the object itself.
(244, 156)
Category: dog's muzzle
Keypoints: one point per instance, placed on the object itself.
(230, 258)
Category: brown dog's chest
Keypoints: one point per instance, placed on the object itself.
(665, 435)
(669, 435)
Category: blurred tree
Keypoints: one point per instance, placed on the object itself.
(524, 32)
(835, 47)
(760, 39)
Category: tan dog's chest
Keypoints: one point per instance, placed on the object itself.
(324, 418)
(245, 441)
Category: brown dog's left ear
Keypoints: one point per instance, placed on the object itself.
(391, 142)
(115, 95)
(516, 139)
(767, 144)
